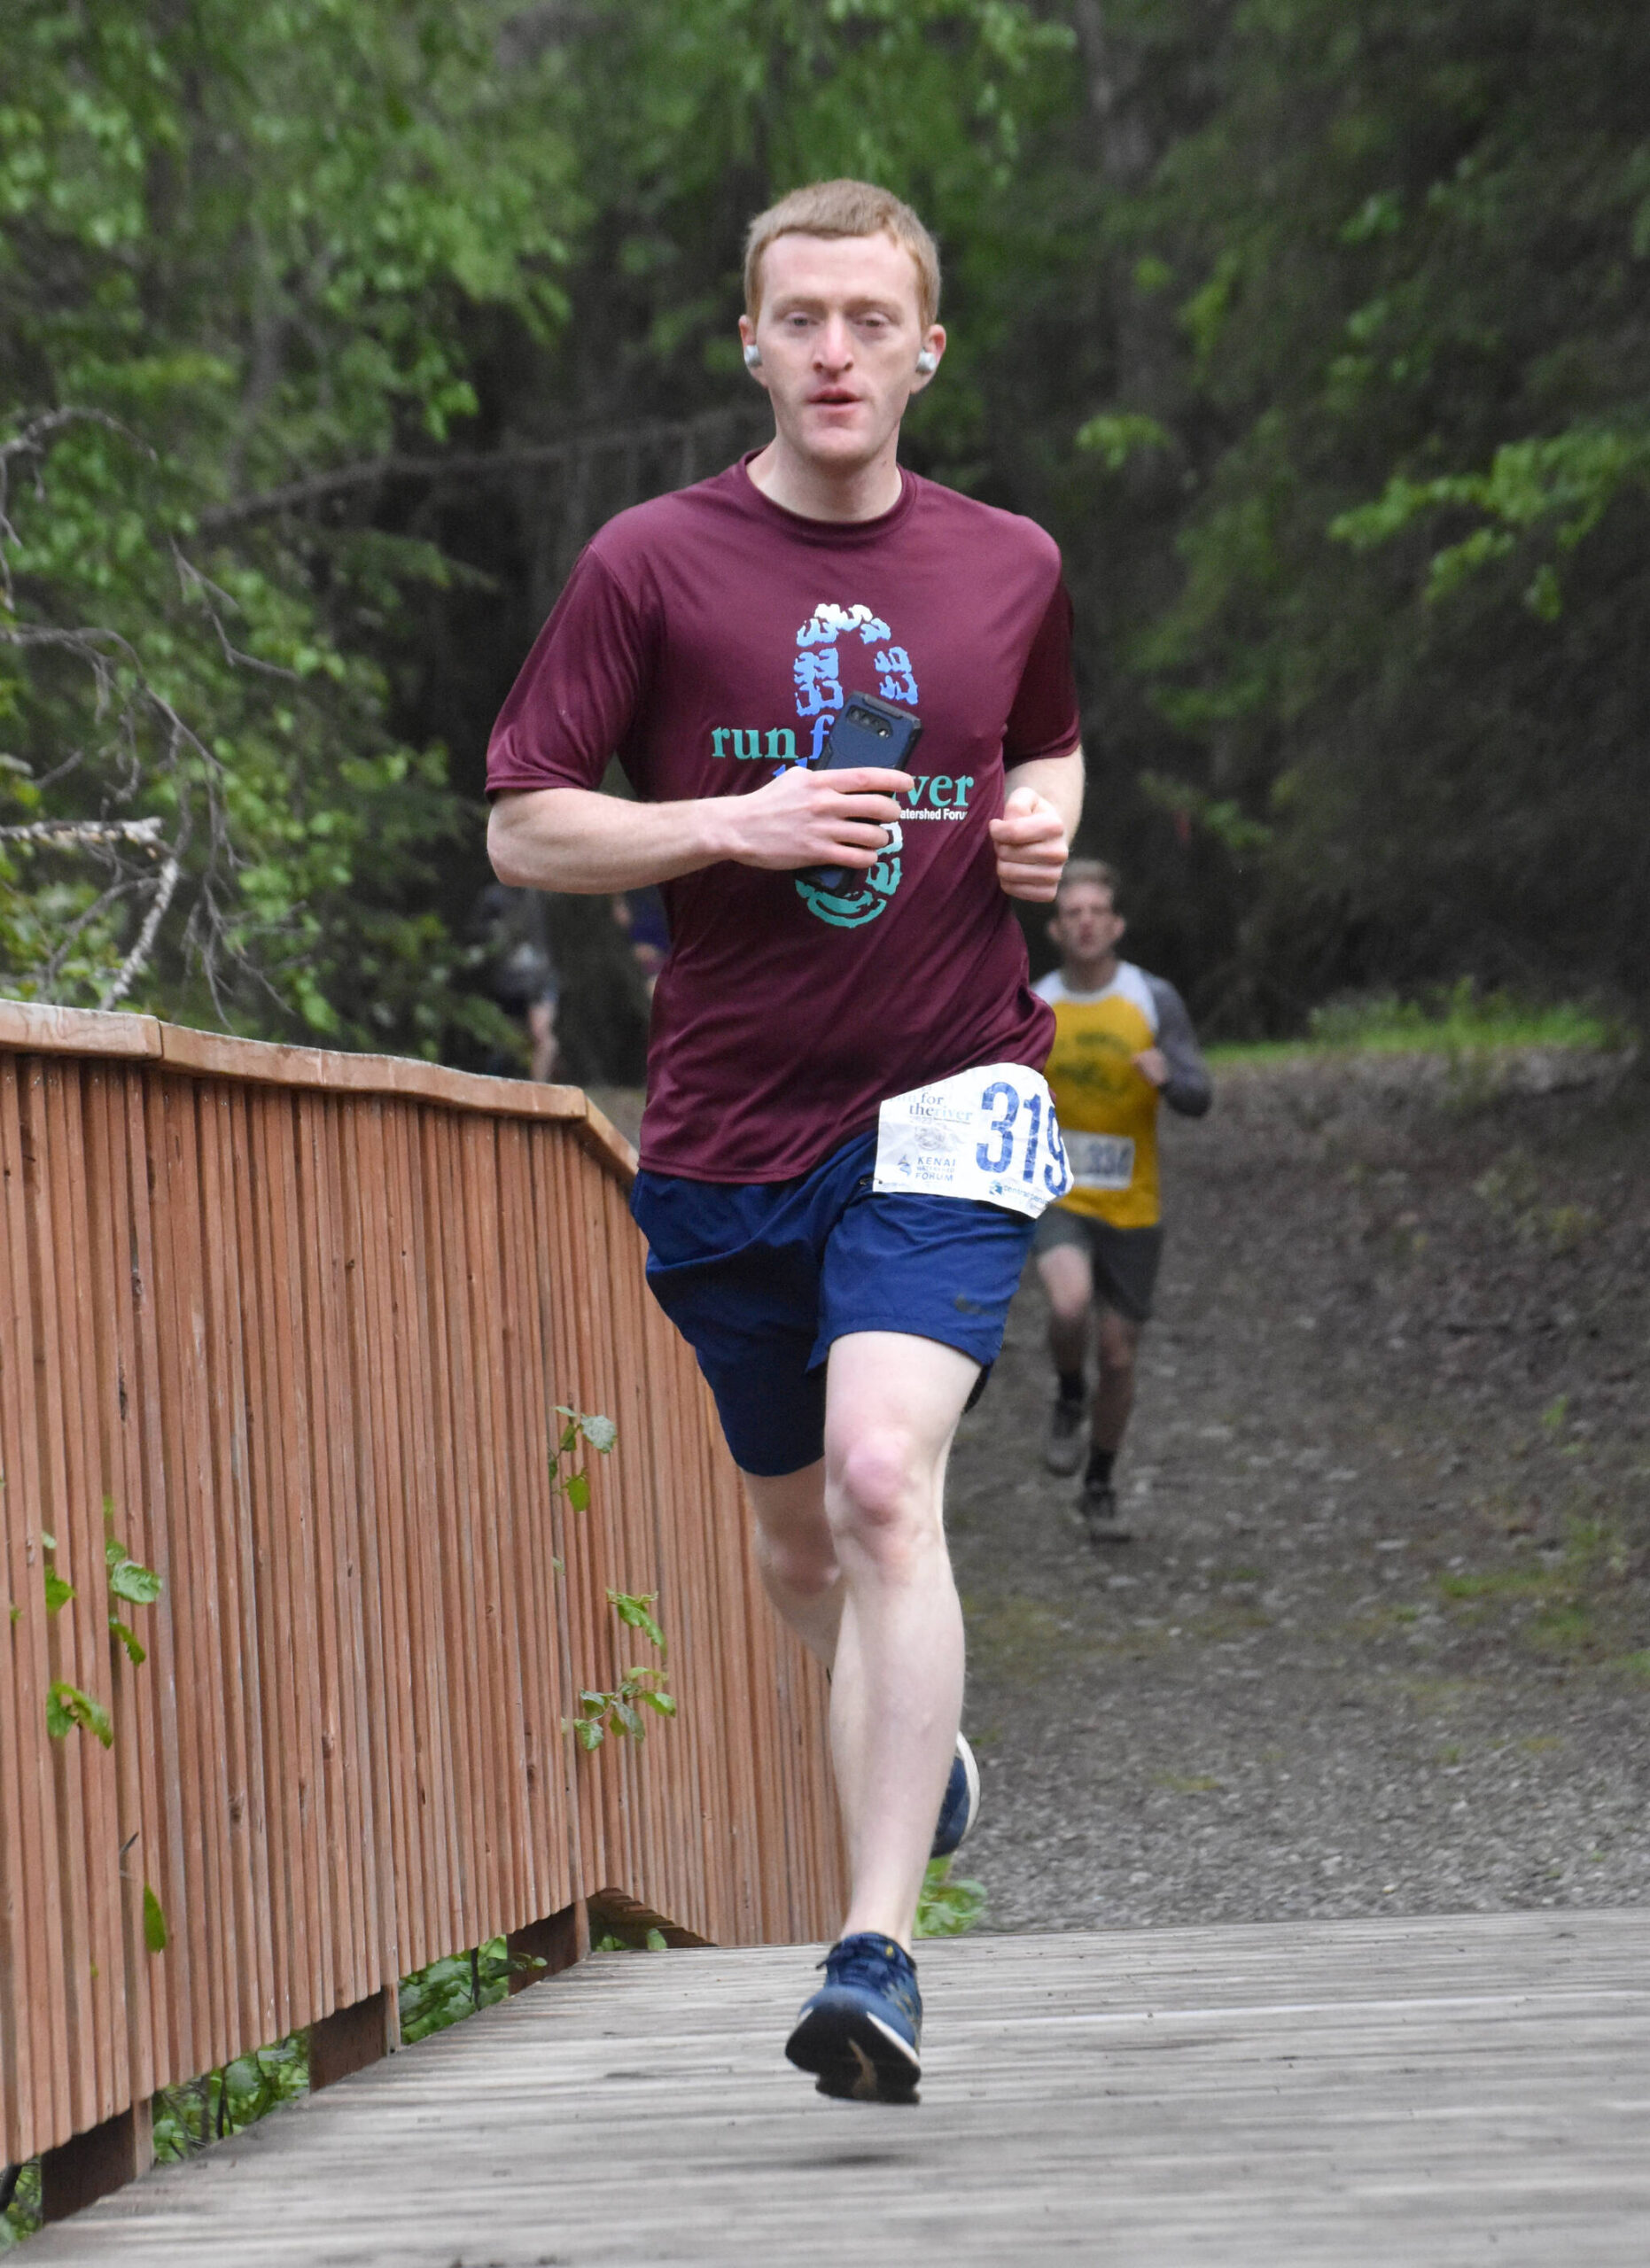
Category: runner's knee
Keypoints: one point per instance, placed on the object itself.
(879, 1499)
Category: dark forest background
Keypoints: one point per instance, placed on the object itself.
(1314, 329)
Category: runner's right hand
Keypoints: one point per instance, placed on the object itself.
(812, 818)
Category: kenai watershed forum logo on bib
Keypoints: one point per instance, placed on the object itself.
(817, 674)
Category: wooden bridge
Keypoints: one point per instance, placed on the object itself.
(290, 1330)
(1385, 2093)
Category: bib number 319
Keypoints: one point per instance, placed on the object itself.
(988, 1135)
(1025, 1131)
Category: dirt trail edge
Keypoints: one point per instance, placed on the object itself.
(1383, 1643)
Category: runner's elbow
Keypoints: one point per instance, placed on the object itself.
(504, 843)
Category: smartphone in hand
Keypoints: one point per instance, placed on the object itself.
(866, 732)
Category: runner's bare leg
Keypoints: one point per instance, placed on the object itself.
(1114, 1389)
(1069, 1280)
(796, 1554)
(892, 1405)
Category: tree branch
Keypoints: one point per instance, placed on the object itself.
(145, 833)
(469, 464)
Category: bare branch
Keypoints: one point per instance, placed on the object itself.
(64, 833)
(472, 464)
(121, 983)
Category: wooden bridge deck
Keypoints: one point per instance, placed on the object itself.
(1422, 2093)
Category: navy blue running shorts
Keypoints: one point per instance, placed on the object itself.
(760, 1278)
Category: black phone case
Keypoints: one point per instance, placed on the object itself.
(868, 731)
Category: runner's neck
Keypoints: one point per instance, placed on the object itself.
(816, 492)
(1089, 976)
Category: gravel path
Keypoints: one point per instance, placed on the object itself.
(1382, 1642)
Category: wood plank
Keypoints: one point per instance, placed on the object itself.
(116, 1366)
(36, 1027)
(33, 2062)
(1310, 2095)
(356, 1848)
(28, 1026)
(162, 1856)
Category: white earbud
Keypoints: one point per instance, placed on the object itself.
(926, 363)
(753, 356)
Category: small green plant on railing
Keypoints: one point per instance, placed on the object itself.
(571, 1482)
(946, 1908)
(131, 1584)
(616, 1709)
(619, 1709)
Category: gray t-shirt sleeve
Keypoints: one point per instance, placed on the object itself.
(1188, 1089)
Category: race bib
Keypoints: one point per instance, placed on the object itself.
(989, 1134)
(1101, 1161)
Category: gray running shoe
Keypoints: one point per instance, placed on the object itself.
(1102, 1521)
(1066, 1441)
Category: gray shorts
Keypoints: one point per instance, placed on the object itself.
(1124, 1261)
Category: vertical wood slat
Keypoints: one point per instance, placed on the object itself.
(304, 1333)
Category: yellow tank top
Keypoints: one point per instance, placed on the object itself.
(1108, 1109)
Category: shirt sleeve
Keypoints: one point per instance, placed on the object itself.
(1189, 1090)
(1044, 720)
(580, 689)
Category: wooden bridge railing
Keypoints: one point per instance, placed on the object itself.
(290, 1327)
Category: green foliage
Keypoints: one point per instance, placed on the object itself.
(155, 1932)
(1458, 1017)
(456, 1986)
(140, 1586)
(946, 1908)
(574, 1485)
(20, 2215)
(1460, 1020)
(241, 248)
(618, 1709)
(1384, 612)
(1117, 437)
(189, 2117)
(67, 1706)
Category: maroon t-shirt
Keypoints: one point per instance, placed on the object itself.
(711, 636)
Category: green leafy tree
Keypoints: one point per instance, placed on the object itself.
(242, 252)
(1404, 253)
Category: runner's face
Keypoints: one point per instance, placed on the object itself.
(839, 331)
(1087, 926)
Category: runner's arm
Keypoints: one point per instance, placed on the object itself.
(1188, 1087)
(577, 840)
(1039, 816)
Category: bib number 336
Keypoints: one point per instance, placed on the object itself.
(989, 1134)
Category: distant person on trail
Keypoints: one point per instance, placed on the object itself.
(521, 976)
(1123, 1044)
(847, 1134)
(640, 913)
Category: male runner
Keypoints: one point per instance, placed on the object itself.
(843, 1306)
(1123, 1043)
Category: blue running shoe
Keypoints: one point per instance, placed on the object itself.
(862, 2033)
(961, 1807)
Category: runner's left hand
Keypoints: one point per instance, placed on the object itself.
(1031, 846)
(1152, 1064)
